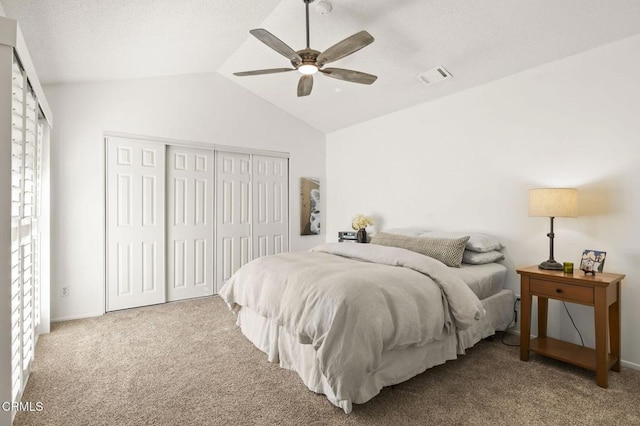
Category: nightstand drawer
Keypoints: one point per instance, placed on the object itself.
(568, 292)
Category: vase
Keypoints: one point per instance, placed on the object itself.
(362, 235)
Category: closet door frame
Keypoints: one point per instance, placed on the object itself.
(186, 144)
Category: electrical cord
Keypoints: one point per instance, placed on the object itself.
(513, 320)
(574, 324)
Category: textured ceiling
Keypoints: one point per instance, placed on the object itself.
(476, 41)
(89, 40)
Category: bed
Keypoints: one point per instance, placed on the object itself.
(351, 319)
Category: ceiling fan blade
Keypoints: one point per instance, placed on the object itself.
(305, 85)
(276, 44)
(260, 72)
(345, 47)
(349, 75)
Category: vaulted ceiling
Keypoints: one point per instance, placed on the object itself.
(476, 41)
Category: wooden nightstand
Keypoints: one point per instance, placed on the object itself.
(601, 291)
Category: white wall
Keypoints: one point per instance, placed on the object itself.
(202, 108)
(465, 162)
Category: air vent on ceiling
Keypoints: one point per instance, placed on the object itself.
(434, 75)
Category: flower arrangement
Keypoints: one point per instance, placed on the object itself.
(360, 221)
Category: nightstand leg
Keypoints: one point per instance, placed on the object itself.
(614, 329)
(525, 318)
(543, 313)
(601, 320)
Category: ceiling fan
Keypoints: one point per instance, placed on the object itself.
(309, 61)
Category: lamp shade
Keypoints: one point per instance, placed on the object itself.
(553, 202)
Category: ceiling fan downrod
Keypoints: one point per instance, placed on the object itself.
(306, 3)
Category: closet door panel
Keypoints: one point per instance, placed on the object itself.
(233, 214)
(135, 223)
(190, 226)
(270, 177)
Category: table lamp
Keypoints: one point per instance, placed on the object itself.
(552, 203)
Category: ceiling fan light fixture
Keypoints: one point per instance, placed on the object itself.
(308, 69)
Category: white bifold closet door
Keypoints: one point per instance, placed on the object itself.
(190, 226)
(181, 221)
(270, 207)
(233, 214)
(135, 223)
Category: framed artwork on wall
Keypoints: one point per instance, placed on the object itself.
(309, 206)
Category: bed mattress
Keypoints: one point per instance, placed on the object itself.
(484, 280)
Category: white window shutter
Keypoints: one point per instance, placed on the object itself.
(26, 134)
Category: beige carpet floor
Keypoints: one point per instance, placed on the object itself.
(187, 363)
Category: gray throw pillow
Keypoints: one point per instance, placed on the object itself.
(447, 251)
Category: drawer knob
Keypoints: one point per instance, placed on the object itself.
(558, 290)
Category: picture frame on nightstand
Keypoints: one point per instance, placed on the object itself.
(592, 261)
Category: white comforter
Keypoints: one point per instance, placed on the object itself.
(354, 301)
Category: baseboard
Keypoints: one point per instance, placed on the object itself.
(75, 317)
(628, 364)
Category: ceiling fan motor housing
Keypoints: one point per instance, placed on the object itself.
(309, 57)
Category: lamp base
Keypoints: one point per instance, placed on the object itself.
(551, 265)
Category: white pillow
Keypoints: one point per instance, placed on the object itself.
(409, 232)
(478, 242)
(475, 258)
